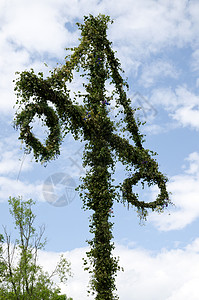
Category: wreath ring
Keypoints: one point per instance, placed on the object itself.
(52, 142)
(133, 199)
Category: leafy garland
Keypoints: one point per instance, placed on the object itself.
(103, 145)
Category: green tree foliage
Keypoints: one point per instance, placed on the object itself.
(21, 278)
(96, 62)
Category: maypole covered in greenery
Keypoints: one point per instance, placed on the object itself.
(91, 122)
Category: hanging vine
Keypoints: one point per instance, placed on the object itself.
(90, 122)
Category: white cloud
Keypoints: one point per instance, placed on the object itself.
(34, 26)
(32, 32)
(187, 116)
(149, 26)
(11, 158)
(193, 158)
(171, 100)
(182, 105)
(195, 60)
(153, 129)
(12, 162)
(77, 285)
(157, 129)
(154, 72)
(167, 275)
(185, 196)
(29, 32)
(13, 188)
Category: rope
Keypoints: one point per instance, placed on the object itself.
(21, 165)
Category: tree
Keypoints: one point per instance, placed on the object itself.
(90, 122)
(24, 279)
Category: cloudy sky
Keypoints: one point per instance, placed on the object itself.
(157, 43)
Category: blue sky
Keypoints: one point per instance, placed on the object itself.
(157, 45)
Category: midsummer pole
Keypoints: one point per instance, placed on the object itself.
(91, 122)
